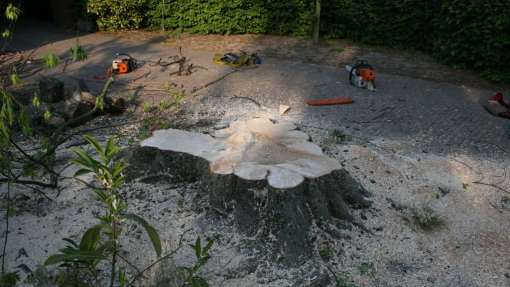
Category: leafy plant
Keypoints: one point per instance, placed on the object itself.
(365, 268)
(165, 105)
(147, 108)
(12, 12)
(9, 279)
(326, 251)
(342, 281)
(50, 60)
(11, 15)
(101, 242)
(78, 53)
(190, 274)
(425, 218)
(14, 77)
(117, 14)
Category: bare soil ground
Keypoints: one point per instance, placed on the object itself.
(435, 162)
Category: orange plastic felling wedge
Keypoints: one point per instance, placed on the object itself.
(332, 101)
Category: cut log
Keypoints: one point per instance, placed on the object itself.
(268, 174)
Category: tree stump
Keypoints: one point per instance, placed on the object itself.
(267, 173)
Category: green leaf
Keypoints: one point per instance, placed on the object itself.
(151, 231)
(84, 159)
(100, 103)
(24, 122)
(36, 102)
(11, 211)
(91, 237)
(94, 143)
(118, 168)
(15, 79)
(70, 241)
(47, 115)
(198, 248)
(55, 259)
(101, 194)
(210, 243)
(111, 148)
(122, 277)
(82, 171)
(78, 53)
(9, 279)
(6, 34)
(12, 12)
(198, 282)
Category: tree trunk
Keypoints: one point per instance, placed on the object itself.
(265, 173)
(317, 22)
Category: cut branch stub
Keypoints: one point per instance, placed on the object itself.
(267, 173)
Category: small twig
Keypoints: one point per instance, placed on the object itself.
(221, 78)
(500, 209)
(139, 77)
(38, 191)
(30, 182)
(332, 273)
(491, 185)
(129, 263)
(247, 98)
(32, 159)
(220, 211)
(6, 237)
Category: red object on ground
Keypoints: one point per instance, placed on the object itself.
(499, 98)
(332, 101)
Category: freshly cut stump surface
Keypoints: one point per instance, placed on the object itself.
(266, 172)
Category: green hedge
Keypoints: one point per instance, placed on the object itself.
(466, 33)
(475, 34)
(117, 14)
(232, 16)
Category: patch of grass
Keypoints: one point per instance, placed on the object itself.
(147, 108)
(165, 105)
(343, 280)
(365, 268)
(426, 218)
(50, 60)
(78, 53)
(177, 95)
(337, 137)
(326, 251)
(152, 123)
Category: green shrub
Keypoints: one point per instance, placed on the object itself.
(117, 14)
(475, 34)
(232, 16)
(403, 23)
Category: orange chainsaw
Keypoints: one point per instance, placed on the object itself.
(361, 75)
(123, 64)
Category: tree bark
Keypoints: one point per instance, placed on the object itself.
(258, 209)
(317, 23)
